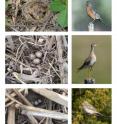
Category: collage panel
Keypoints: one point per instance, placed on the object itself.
(36, 106)
(36, 15)
(91, 59)
(36, 59)
(91, 106)
(91, 15)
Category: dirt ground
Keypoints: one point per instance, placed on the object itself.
(36, 59)
(40, 103)
(30, 15)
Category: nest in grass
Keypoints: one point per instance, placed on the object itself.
(36, 59)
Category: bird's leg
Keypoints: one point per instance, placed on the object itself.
(91, 69)
(89, 73)
(93, 21)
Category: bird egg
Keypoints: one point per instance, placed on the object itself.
(38, 54)
(36, 61)
(32, 56)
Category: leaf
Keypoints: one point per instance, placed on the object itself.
(57, 6)
(62, 18)
(7, 3)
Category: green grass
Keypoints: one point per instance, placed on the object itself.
(80, 51)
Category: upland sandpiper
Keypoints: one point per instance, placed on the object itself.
(90, 60)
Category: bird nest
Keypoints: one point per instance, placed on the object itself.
(33, 106)
(32, 15)
(36, 59)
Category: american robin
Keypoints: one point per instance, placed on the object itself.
(91, 12)
(90, 60)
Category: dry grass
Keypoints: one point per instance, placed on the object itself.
(33, 106)
(20, 16)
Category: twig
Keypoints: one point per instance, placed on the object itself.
(31, 118)
(9, 104)
(60, 58)
(17, 77)
(12, 99)
(26, 78)
(18, 49)
(28, 110)
(22, 97)
(41, 122)
(49, 106)
(14, 94)
(48, 19)
(65, 42)
(54, 70)
(8, 56)
(11, 115)
(60, 99)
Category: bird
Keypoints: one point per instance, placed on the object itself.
(90, 60)
(91, 110)
(91, 12)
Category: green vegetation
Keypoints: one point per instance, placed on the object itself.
(81, 49)
(99, 98)
(60, 7)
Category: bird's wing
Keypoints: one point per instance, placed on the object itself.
(89, 106)
(86, 63)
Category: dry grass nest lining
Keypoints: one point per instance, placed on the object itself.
(30, 16)
(48, 64)
(24, 106)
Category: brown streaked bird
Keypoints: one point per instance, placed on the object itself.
(90, 60)
(91, 110)
(91, 12)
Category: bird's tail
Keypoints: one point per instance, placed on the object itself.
(101, 20)
(80, 68)
(99, 114)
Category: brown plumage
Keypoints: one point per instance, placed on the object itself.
(91, 12)
(90, 60)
